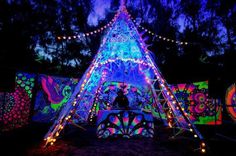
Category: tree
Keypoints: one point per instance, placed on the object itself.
(33, 26)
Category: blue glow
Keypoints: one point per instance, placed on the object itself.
(121, 57)
(99, 11)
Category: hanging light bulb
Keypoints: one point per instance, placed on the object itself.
(203, 144)
(203, 150)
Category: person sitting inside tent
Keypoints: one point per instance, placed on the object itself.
(121, 100)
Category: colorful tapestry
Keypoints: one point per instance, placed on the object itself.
(138, 96)
(129, 123)
(15, 106)
(195, 101)
(230, 101)
(53, 93)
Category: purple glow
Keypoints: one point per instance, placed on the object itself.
(99, 11)
(46, 83)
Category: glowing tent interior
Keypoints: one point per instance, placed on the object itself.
(123, 61)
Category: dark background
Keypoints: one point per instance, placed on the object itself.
(209, 28)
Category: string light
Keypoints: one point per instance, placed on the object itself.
(203, 144)
(99, 30)
(155, 35)
(109, 24)
(203, 150)
(93, 110)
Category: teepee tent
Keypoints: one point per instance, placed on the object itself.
(123, 57)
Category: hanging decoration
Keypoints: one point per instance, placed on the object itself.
(87, 34)
(158, 37)
(101, 29)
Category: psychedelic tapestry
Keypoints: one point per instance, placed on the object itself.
(15, 106)
(138, 96)
(52, 93)
(195, 101)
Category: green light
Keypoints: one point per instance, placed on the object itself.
(27, 88)
(22, 85)
(19, 81)
(202, 85)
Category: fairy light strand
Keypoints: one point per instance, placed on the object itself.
(82, 35)
(108, 25)
(163, 38)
